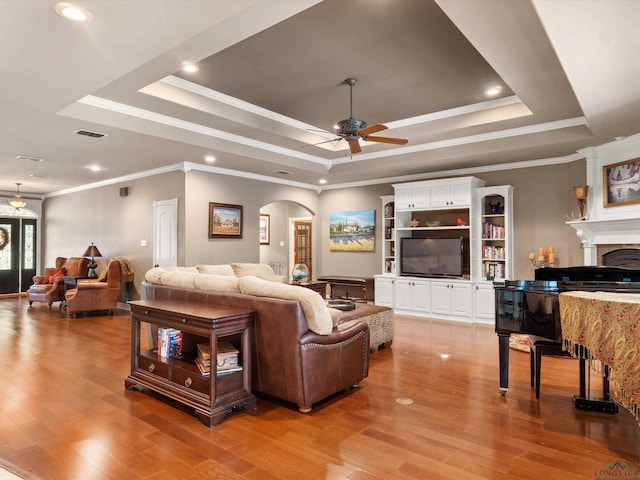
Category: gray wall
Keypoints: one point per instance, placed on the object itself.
(543, 197)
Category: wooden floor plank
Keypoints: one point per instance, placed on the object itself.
(65, 413)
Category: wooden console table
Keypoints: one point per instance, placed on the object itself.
(212, 396)
(366, 284)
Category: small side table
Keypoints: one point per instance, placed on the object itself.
(319, 287)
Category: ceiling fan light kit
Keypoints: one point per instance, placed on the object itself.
(352, 130)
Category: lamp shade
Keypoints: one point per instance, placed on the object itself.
(92, 251)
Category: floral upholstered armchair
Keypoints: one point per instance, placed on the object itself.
(49, 288)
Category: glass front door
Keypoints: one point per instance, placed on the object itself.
(17, 254)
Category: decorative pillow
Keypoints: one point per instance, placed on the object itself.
(272, 278)
(176, 278)
(225, 270)
(154, 275)
(313, 306)
(48, 272)
(217, 283)
(57, 274)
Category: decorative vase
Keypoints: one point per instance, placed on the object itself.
(300, 273)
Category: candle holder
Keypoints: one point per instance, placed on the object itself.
(539, 263)
(545, 258)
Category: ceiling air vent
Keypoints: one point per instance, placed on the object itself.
(89, 133)
(31, 159)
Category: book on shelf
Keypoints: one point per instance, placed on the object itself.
(169, 342)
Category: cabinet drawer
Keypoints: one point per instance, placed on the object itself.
(191, 381)
(151, 365)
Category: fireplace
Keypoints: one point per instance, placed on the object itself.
(619, 255)
(610, 234)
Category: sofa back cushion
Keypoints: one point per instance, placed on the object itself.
(259, 270)
(313, 306)
(217, 283)
(225, 270)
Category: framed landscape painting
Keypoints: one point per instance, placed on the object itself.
(352, 231)
(225, 221)
(621, 183)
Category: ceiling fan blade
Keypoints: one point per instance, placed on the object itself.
(372, 129)
(395, 141)
(326, 141)
(354, 146)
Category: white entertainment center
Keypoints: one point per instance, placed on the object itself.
(445, 215)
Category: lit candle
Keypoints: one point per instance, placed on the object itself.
(552, 249)
(552, 258)
(541, 252)
(532, 256)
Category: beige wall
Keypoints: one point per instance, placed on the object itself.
(543, 197)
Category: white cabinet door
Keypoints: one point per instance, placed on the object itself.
(440, 196)
(402, 198)
(384, 292)
(403, 295)
(420, 197)
(411, 198)
(460, 195)
(421, 296)
(441, 297)
(452, 196)
(461, 300)
(484, 303)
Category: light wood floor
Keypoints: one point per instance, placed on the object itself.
(65, 414)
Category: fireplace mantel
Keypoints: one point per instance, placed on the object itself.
(598, 232)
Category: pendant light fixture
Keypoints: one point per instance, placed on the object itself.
(17, 201)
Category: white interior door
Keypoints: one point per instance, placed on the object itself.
(165, 233)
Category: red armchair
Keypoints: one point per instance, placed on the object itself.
(96, 294)
(49, 287)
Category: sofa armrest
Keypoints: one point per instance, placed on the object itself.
(336, 336)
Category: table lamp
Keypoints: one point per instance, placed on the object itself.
(92, 251)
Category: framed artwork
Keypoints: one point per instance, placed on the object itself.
(621, 183)
(265, 228)
(225, 221)
(352, 231)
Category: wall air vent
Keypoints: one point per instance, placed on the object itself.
(282, 172)
(31, 159)
(89, 133)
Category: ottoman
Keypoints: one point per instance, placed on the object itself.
(379, 319)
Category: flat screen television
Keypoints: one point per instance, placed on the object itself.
(431, 257)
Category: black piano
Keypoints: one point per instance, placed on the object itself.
(532, 307)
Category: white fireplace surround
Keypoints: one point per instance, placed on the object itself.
(618, 225)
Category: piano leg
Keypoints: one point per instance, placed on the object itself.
(503, 354)
(584, 400)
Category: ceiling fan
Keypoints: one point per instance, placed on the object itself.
(352, 129)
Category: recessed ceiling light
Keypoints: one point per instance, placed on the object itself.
(493, 91)
(94, 168)
(73, 12)
(210, 158)
(322, 181)
(190, 67)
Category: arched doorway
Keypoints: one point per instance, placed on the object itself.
(17, 249)
(290, 237)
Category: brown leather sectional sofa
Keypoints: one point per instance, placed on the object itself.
(289, 361)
